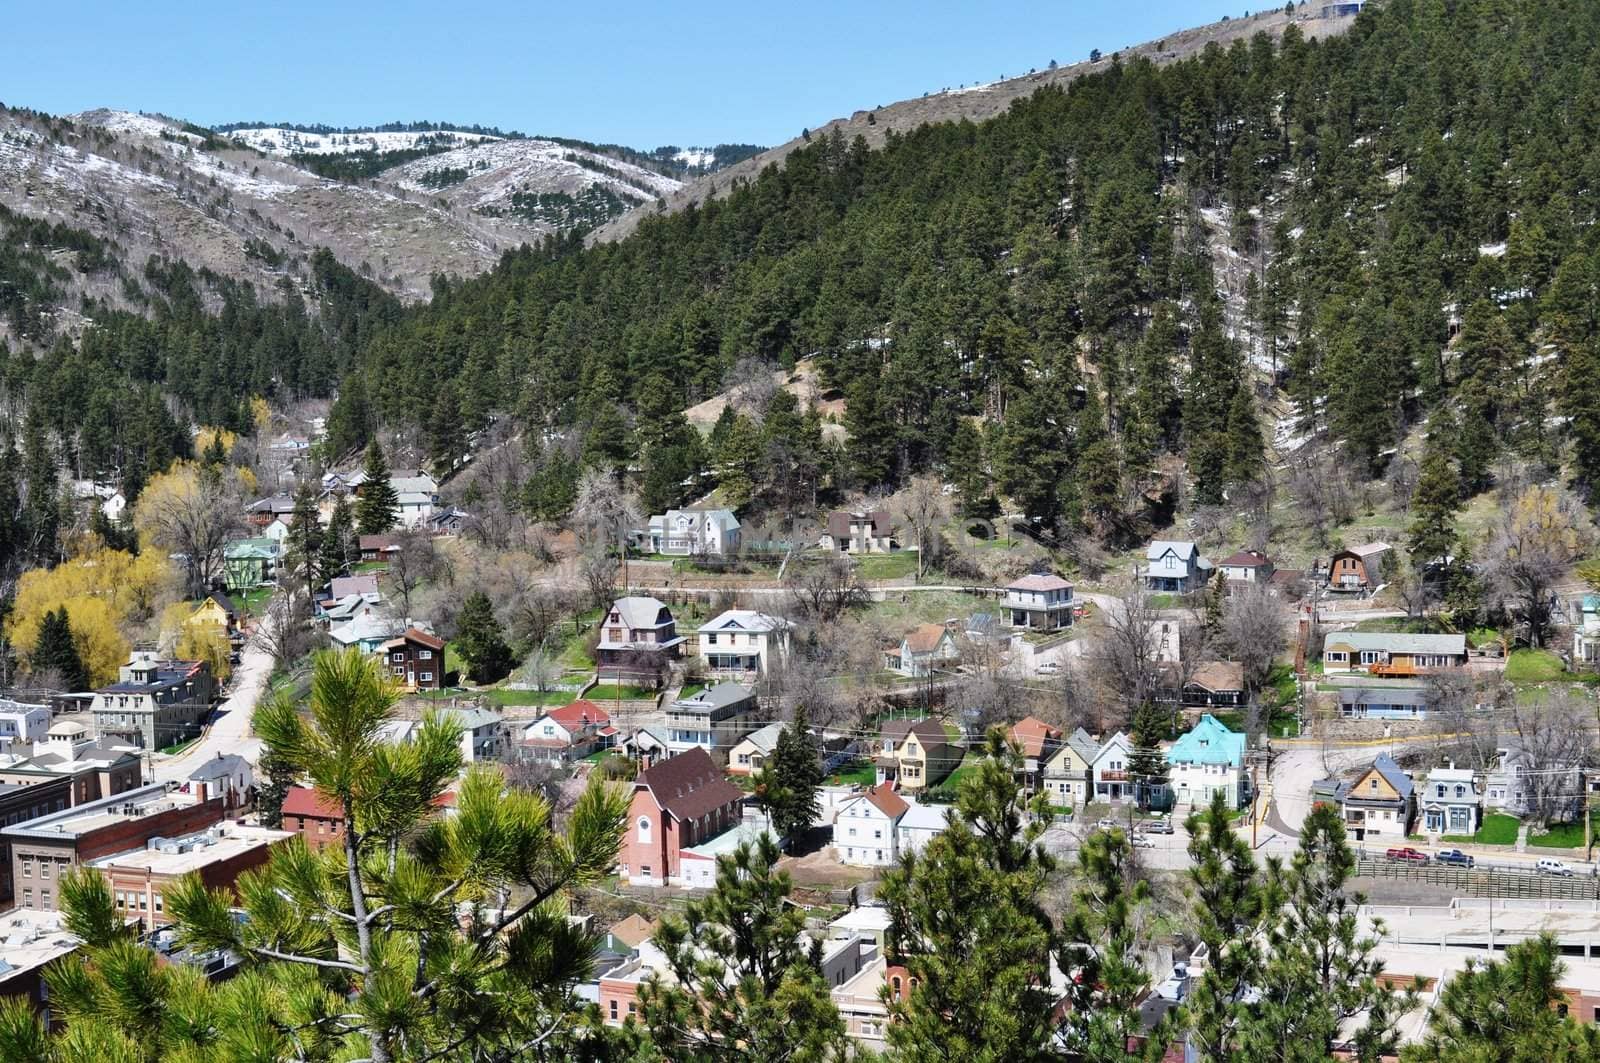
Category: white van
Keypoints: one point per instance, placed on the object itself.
(1547, 866)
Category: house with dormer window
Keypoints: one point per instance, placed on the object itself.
(1174, 567)
(1450, 801)
(638, 639)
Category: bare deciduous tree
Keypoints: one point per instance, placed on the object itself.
(1553, 735)
(285, 630)
(1255, 628)
(750, 383)
(1535, 540)
(598, 572)
(1465, 710)
(416, 563)
(823, 589)
(541, 670)
(1126, 657)
(603, 513)
(923, 508)
(193, 511)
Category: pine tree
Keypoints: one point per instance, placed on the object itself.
(797, 771)
(1245, 458)
(1100, 946)
(978, 983)
(1321, 984)
(481, 642)
(968, 467)
(56, 652)
(277, 776)
(1147, 764)
(1580, 402)
(378, 507)
(744, 973)
(340, 547)
(305, 541)
(1433, 507)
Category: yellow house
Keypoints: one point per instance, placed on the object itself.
(218, 611)
(1067, 775)
(915, 754)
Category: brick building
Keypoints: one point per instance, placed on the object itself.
(314, 817)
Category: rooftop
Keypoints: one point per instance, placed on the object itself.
(30, 938)
(1396, 642)
(78, 821)
(177, 856)
(1039, 581)
(717, 697)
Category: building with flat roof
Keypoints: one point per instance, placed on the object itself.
(43, 849)
(20, 803)
(219, 854)
(29, 940)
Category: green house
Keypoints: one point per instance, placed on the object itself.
(248, 563)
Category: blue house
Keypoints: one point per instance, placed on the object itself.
(1384, 703)
(1209, 759)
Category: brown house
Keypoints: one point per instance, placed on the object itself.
(1358, 569)
(379, 547)
(857, 532)
(1214, 684)
(314, 817)
(416, 660)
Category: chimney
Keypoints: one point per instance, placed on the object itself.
(201, 792)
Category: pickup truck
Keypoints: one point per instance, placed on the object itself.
(1407, 853)
(1453, 856)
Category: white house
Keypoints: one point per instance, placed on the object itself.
(1109, 772)
(1174, 567)
(1504, 787)
(418, 494)
(1246, 566)
(1586, 630)
(277, 531)
(922, 651)
(1450, 801)
(716, 719)
(570, 732)
(685, 532)
(864, 829)
(920, 825)
(742, 643)
(482, 736)
(21, 723)
(1207, 759)
(1041, 601)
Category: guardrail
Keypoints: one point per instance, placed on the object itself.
(1501, 880)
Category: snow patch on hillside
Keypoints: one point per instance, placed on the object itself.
(128, 122)
(496, 170)
(278, 141)
(701, 158)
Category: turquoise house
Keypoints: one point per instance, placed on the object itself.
(1210, 758)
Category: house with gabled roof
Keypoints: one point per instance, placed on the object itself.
(249, 563)
(1215, 684)
(638, 639)
(1451, 802)
(568, 733)
(714, 719)
(1392, 653)
(859, 532)
(677, 804)
(915, 754)
(1040, 601)
(697, 532)
(1110, 772)
(1358, 569)
(750, 755)
(1174, 566)
(925, 649)
(1383, 703)
(743, 642)
(1205, 760)
(1037, 741)
(864, 827)
(1381, 803)
(1067, 770)
(416, 659)
(1246, 566)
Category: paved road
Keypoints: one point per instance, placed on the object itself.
(230, 727)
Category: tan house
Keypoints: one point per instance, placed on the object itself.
(1381, 803)
(857, 532)
(915, 754)
(1392, 653)
(925, 649)
(1066, 771)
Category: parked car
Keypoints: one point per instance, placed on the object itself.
(1548, 866)
(1407, 853)
(1139, 841)
(1157, 826)
(1454, 856)
(1106, 824)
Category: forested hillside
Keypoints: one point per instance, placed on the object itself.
(1047, 307)
(1051, 273)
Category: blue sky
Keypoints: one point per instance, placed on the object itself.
(627, 71)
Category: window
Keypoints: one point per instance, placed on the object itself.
(1373, 785)
(44, 869)
(644, 831)
(27, 898)
(427, 677)
(632, 1007)
(44, 898)
(27, 867)
(613, 1011)
(397, 656)
(1460, 791)
(644, 870)
(711, 640)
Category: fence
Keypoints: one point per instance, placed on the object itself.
(1484, 881)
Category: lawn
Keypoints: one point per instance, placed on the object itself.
(933, 607)
(529, 697)
(179, 747)
(862, 774)
(1534, 666)
(1564, 835)
(1498, 829)
(897, 565)
(254, 601)
(691, 689)
(603, 692)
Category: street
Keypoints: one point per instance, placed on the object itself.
(230, 727)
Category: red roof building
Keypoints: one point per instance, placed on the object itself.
(314, 816)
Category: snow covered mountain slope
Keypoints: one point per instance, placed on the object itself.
(239, 205)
